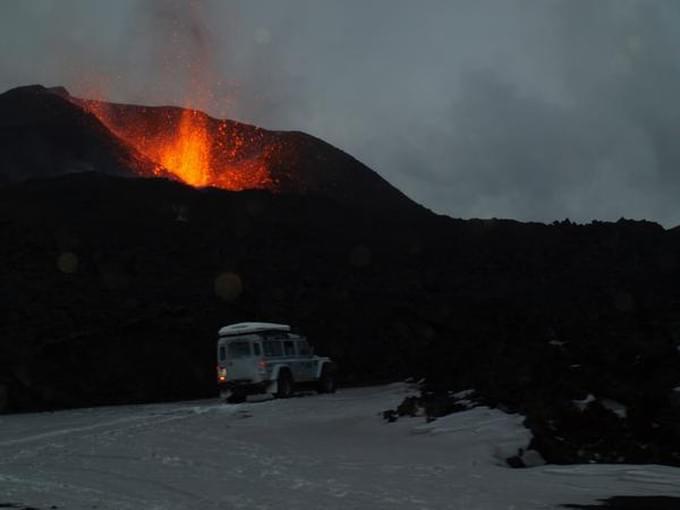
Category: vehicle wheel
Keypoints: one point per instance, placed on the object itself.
(326, 382)
(284, 385)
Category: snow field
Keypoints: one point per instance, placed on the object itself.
(313, 452)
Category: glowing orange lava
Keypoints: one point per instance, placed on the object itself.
(188, 154)
(197, 149)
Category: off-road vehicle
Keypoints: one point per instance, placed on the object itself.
(261, 357)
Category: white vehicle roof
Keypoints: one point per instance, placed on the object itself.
(243, 328)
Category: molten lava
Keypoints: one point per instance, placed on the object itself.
(187, 155)
(195, 148)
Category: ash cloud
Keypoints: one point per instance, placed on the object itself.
(528, 109)
(177, 44)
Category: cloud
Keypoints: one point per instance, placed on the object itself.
(586, 130)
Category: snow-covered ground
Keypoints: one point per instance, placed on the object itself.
(325, 451)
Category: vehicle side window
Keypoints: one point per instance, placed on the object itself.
(256, 349)
(272, 348)
(222, 353)
(304, 349)
(289, 348)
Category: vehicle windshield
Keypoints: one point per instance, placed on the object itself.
(239, 349)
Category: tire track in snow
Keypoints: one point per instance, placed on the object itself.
(150, 419)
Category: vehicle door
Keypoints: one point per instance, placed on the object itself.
(241, 363)
(306, 362)
(290, 357)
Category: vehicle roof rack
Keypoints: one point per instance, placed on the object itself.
(242, 328)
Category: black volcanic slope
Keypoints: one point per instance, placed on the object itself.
(42, 134)
(112, 289)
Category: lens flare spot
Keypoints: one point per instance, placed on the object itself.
(228, 286)
(67, 262)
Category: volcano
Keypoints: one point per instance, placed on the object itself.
(46, 132)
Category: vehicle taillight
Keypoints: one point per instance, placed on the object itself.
(262, 364)
(221, 374)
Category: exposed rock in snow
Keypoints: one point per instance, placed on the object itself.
(615, 407)
(582, 404)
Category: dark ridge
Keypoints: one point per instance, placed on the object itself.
(43, 134)
(634, 503)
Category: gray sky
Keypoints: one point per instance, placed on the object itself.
(527, 109)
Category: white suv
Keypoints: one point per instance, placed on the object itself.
(260, 357)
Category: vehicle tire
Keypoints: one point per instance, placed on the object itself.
(326, 382)
(284, 385)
